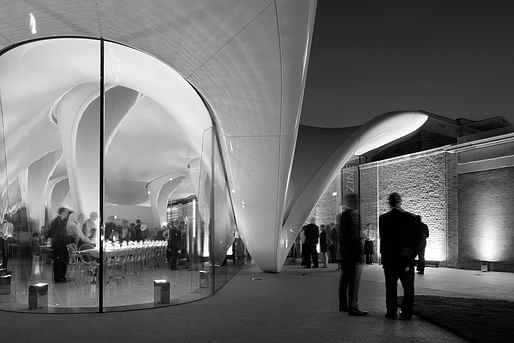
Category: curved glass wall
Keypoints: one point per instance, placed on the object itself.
(127, 145)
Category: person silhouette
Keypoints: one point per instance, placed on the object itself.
(60, 240)
(420, 268)
(348, 225)
(311, 231)
(400, 238)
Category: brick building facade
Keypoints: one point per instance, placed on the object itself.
(463, 192)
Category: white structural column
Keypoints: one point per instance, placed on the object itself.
(37, 182)
(57, 190)
(79, 122)
(119, 101)
(257, 104)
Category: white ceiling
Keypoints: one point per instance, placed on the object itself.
(143, 150)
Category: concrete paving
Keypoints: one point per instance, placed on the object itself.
(296, 305)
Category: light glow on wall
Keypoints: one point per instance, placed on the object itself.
(487, 231)
(489, 247)
(434, 253)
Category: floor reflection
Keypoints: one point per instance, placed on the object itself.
(125, 290)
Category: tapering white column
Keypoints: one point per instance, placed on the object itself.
(37, 182)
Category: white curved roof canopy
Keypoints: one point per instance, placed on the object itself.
(247, 58)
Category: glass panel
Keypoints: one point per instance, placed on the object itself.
(205, 203)
(49, 159)
(156, 212)
(224, 226)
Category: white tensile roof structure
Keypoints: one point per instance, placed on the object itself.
(172, 69)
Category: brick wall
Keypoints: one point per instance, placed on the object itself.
(421, 181)
(368, 200)
(328, 206)
(452, 250)
(486, 223)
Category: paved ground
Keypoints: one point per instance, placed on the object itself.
(296, 305)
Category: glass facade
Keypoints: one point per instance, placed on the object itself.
(151, 219)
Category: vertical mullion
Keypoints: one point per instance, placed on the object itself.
(212, 214)
(100, 277)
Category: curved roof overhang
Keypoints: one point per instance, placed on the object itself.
(247, 58)
(322, 152)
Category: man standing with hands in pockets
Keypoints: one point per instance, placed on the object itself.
(400, 238)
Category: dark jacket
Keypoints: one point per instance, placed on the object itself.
(174, 238)
(349, 235)
(138, 233)
(400, 237)
(58, 234)
(311, 234)
(323, 241)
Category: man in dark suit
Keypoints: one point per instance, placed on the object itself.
(311, 232)
(350, 246)
(60, 240)
(138, 233)
(174, 240)
(400, 238)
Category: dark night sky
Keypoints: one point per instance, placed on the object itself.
(454, 58)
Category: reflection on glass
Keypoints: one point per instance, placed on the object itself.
(166, 206)
(44, 167)
(155, 225)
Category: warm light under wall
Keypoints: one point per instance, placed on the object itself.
(489, 245)
(487, 234)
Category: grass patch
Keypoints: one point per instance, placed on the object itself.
(476, 320)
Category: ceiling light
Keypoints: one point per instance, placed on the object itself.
(32, 24)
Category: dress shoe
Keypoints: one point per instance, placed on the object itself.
(343, 308)
(357, 313)
(404, 316)
(392, 316)
(421, 272)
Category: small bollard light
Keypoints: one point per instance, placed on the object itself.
(5, 284)
(204, 279)
(161, 292)
(484, 266)
(38, 296)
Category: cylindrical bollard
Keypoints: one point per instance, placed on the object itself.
(161, 292)
(5, 284)
(204, 279)
(38, 296)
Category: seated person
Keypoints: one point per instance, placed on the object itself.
(73, 230)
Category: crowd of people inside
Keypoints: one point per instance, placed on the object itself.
(78, 231)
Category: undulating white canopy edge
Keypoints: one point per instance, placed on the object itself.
(248, 60)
